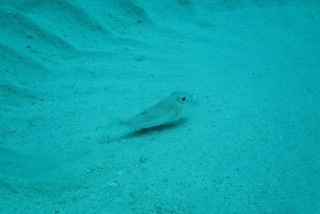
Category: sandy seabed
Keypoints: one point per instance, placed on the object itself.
(68, 67)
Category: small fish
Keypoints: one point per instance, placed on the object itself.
(178, 105)
(172, 108)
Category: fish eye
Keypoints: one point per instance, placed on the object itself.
(183, 99)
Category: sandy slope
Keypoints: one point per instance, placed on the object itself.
(68, 67)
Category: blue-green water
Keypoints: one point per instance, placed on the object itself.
(69, 68)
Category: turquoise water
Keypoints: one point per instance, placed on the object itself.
(70, 68)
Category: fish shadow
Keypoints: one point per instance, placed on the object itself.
(155, 129)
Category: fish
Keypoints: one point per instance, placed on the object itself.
(172, 108)
(178, 105)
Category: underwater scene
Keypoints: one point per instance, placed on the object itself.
(160, 106)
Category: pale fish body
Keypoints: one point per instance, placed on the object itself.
(172, 108)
